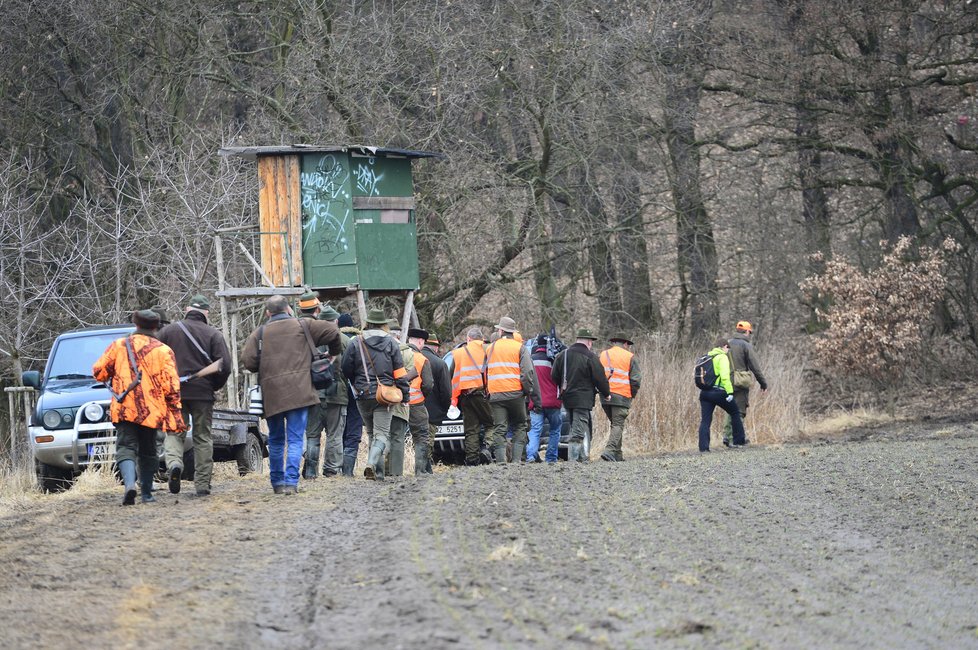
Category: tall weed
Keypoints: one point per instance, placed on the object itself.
(665, 415)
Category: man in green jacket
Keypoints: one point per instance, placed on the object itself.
(579, 375)
(330, 413)
(744, 363)
(719, 393)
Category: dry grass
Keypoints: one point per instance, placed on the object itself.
(666, 414)
(514, 551)
(19, 491)
(837, 423)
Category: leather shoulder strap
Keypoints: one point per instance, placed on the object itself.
(194, 341)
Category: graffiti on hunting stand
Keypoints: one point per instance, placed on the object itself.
(326, 207)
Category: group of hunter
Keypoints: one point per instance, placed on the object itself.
(506, 392)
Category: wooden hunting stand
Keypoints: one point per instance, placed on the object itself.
(338, 220)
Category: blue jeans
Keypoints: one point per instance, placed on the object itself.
(290, 425)
(709, 400)
(552, 416)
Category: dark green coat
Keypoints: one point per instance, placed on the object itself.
(584, 377)
(743, 357)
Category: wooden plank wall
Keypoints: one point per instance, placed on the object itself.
(280, 210)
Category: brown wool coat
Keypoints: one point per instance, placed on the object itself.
(285, 361)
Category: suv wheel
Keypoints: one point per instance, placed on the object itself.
(52, 479)
(249, 455)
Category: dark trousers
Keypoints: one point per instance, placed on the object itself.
(475, 415)
(137, 443)
(353, 431)
(709, 400)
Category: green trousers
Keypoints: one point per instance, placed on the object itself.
(199, 415)
(617, 415)
(475, 415)
(740, 397)
(505, 414)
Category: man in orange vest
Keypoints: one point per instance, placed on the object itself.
(510, 380)
(422, 385)
(624, 379)
(469, 391)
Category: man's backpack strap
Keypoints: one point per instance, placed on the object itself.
(194, 341)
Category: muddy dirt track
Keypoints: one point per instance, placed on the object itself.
(869, 543)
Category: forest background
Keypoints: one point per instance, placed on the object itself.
(658, 168)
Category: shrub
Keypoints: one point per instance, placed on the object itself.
(875, 320)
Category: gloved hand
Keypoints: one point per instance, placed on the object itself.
(730, 397)
(537, 409)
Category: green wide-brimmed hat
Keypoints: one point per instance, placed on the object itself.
(376, 317)
(328, 313)
(585, 333)
(622, 338)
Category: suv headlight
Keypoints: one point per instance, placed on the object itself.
(94, 412)
(51, 419)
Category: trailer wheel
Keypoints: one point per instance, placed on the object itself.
(249, 455)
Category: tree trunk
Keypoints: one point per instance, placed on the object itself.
(697, 255)
(641, 310)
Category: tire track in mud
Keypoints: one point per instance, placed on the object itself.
(866, 544)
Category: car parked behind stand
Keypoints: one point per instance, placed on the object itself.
(70, 429)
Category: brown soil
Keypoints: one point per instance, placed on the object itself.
(868, 541)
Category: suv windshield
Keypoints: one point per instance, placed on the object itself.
(74, 357)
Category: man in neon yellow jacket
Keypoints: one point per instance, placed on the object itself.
(720, 393)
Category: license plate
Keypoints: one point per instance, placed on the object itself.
(101, 450)
(451, 429)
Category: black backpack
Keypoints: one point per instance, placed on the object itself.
(704, 374)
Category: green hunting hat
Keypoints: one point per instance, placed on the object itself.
(309, 301)
(146, 319)
(393, 324)
(199, 302)
(585, 333)
(329, 313)
(622, 338)
(376, 317)
(164, 319)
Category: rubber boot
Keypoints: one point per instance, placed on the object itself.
(499, 454)
(375, 462)
(147, 468)
(395, 455)
(127, 469)
(518, 450)
(348, 464)
(574, 452)
(311, 456)
(421, 459)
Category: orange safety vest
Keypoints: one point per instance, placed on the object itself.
(467, 368)
(416, 396)
(617, 364)
(503, 366)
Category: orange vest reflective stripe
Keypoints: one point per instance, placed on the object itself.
(617, 364)
(503, 366)
(416, 396)
(467, 372)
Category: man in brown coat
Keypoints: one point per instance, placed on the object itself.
(743, 364)
(279, 352)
